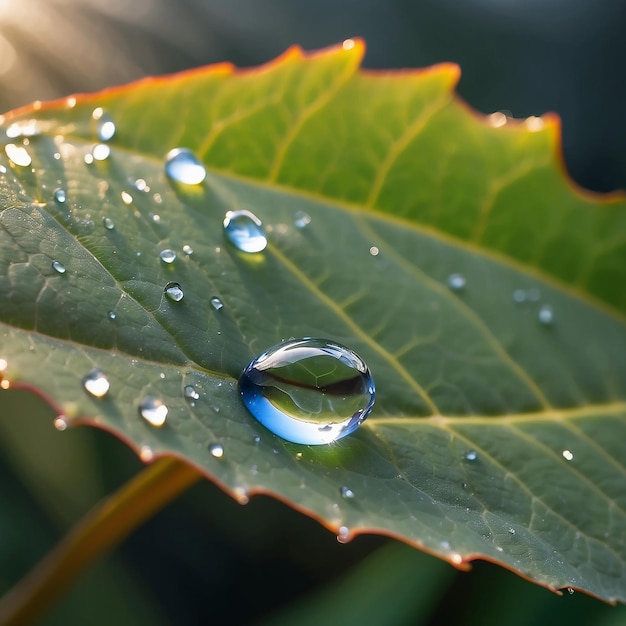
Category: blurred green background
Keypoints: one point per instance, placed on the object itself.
(206, 559)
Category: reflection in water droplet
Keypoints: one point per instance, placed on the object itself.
(191, 393)
(245, 231)
(456, 282)
(59, 196)
(109, 224)
(546, 315)
(216, 303)
(188, 250)
(174, 292)
(101, 152)
(472, 455)
(58, 267)
(96, 383)
(217, 450)
(182, 166)
(567, 455)
(167, 256)
(153, 411)
(346, 492)
(18, 155)
(302, 219)
(309, 391)
(105, 128)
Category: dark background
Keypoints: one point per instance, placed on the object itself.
(206, 559)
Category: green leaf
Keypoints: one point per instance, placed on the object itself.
(494, 435)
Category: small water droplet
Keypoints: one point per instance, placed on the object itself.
(217, 450)
(309, 391)
(155, 217)
(533, 294)
(153, 410)
(174, 292)
(105, 127)
(188, 250)
(346, 492)
(343, 534)
(167, 256)
(141, 185)
(96, 384)
(245, 231)
(456, 282)
(18, 155)
(191, 393)
(61, 422)
(472, 455)
(445, 545)
(497, 119)
(519, 296)
(146, 454)
(216, 303)
(24, 128)
(101, 152)
(109, 224)
(58, 267)
(88, 158)
(374, 251)
(256, 439)
(127, 199)
(511, 531)
(112, 315)
(570, 590)
(302, 219)
(546, 315)
(567, 455)
(60, 196)
(182, 166)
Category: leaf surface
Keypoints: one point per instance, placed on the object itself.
(494, 435)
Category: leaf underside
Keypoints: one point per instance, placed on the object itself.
(493, 436)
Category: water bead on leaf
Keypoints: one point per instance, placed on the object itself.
(105, 127)
(309, 391)
(174, 292)
(245, 231)
(167, 256)
(96, 384)
(18, 155)
(456, 282)
(58, 267)
(182, 166)
(216, 303)
(153, 410)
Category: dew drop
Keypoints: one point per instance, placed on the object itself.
(570, 590)
(546, 315)
(256, 439)
(456, 282)
(146, 454)
(96, 384)
(346, 492)
(167, 256)
(112, 315)
(127, 199)
(18, 155)
(216, 303)
(374, 251)
(153, 411)
(519, 296)
(61, 422)
(141, 185)
(567, 455)
(60, 196)
(182, 166)
(174, 292)
(245, 231)
(105, 127)
(109, 224)
(533, 294)
(309, 391)
(188, 250)
(343, 534)
(472, 455)
(58, 267)
(88, 158)
(217, 450)
(191, 393)
(101, 152)
(302, 219)
(511, 531)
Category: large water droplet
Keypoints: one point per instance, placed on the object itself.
(167, 256)
(105, 127)
(174, 292)
(60, 196)
(309, 391)
(153, 411)
(546, 315)
(245, 231)
(18, 155)
(182, 166)
(96, 384)
(216, 303)
(58, 267)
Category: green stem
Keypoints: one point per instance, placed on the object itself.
(104, 527)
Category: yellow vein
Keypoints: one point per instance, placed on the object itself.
(401, 144)
(468, 313)
(356, 329)
(307, 112)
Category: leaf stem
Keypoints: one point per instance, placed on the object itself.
(107, 524)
